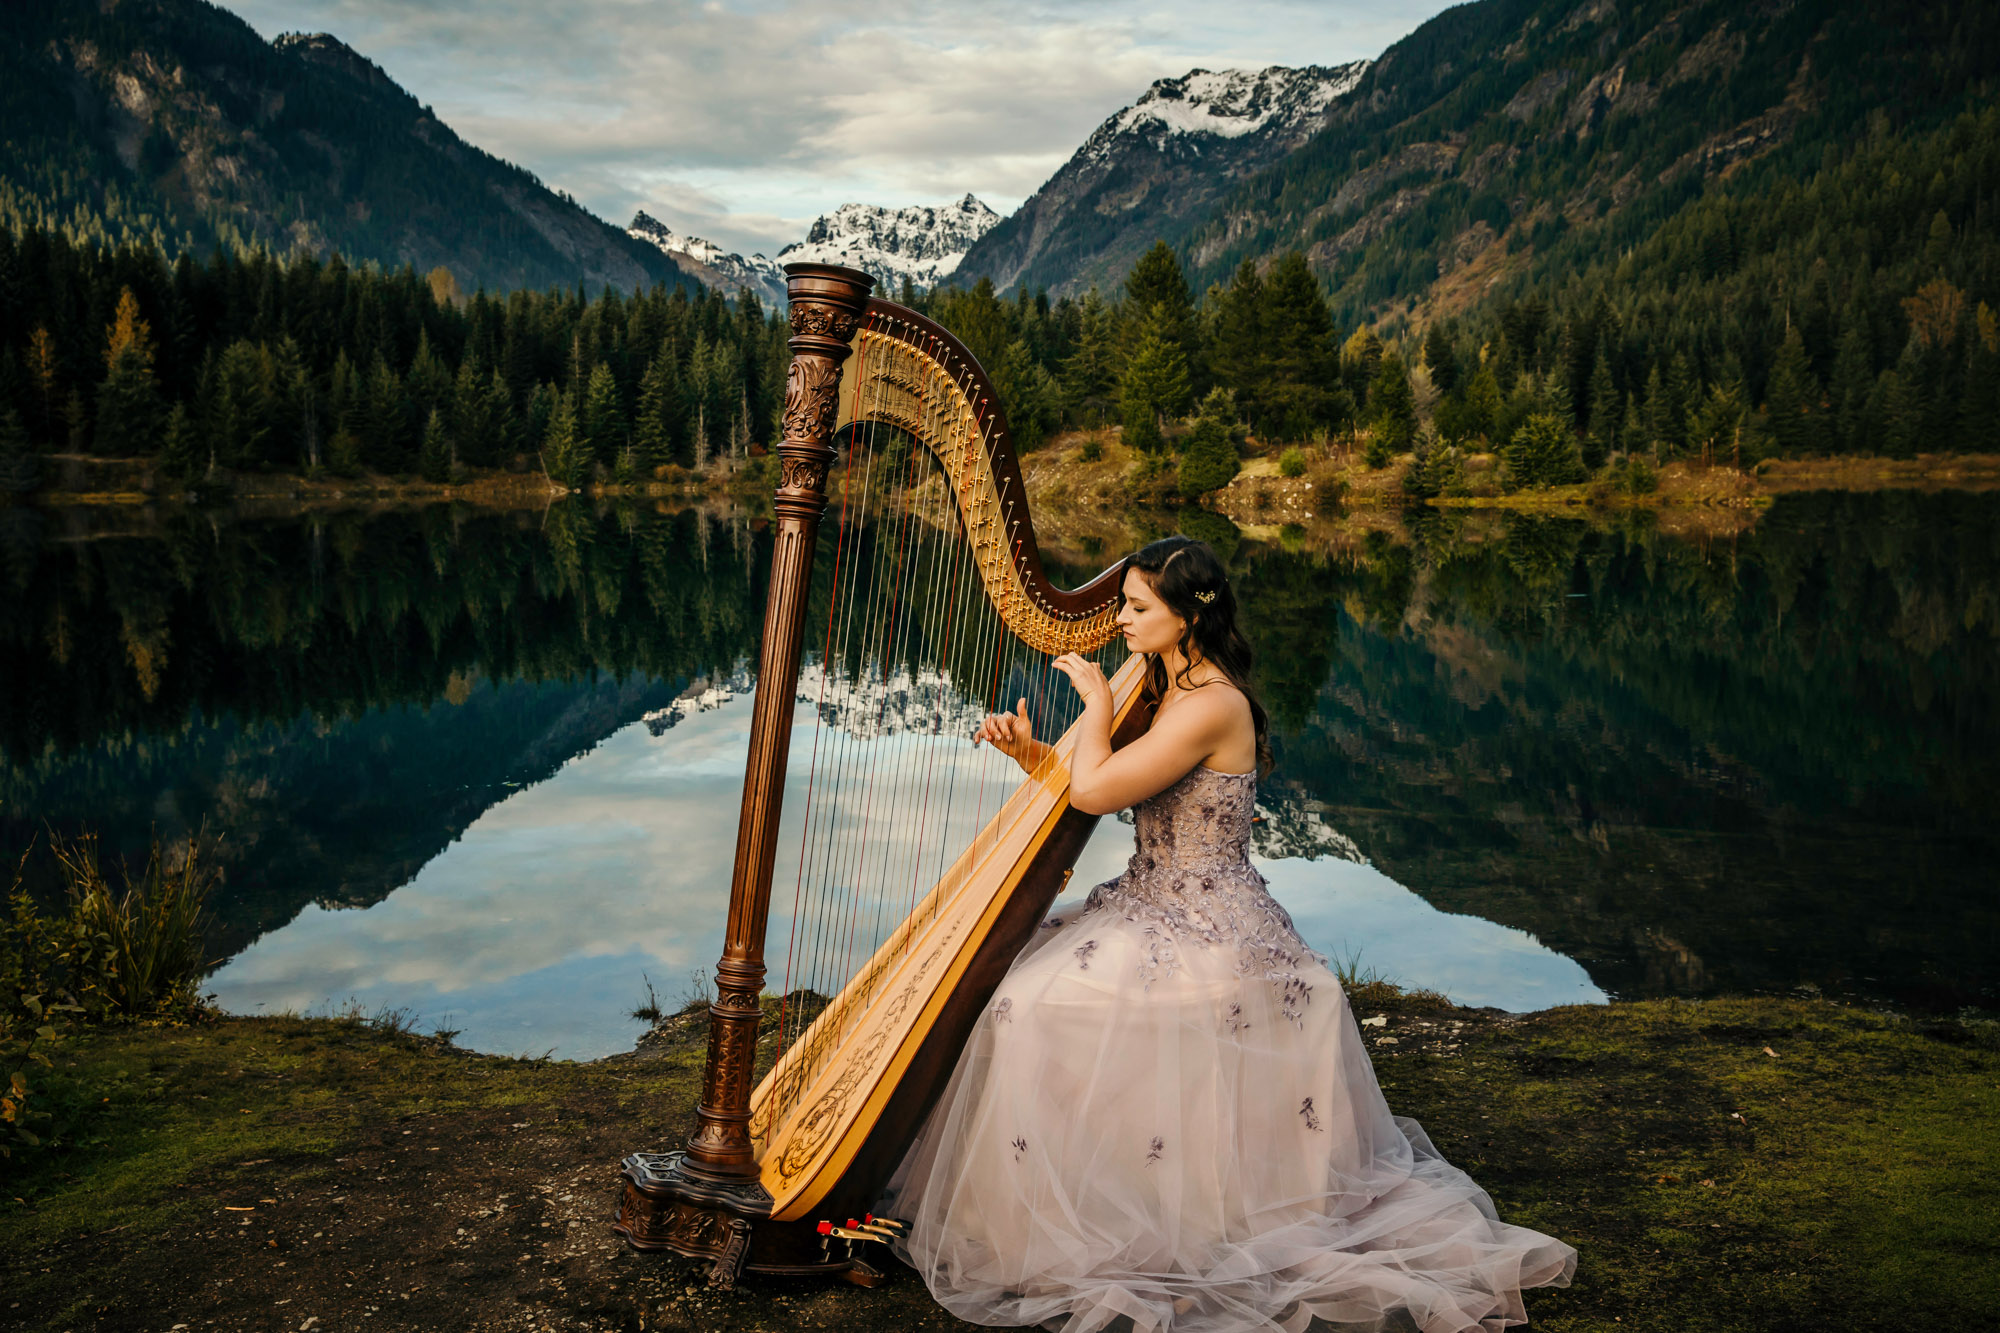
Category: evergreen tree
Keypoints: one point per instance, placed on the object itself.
(181, 454)
(1979, 413)
(1090, 374)
(565, 453)
(1853, 385)
(1656, 415)
(1791, 398)
(1157, 293)
(1300, 390)
(603, 415)
(128, 402)
(1678, 401)
(1030, 395)
(1237, 353)
(45, 375)
(384, 425)
(1543, 452)
(1602, 439)
(1208, 456)
(1156, 383)
(472, 419)
(1392, 407)
(434, 455)
(654, 425)
(20, 467)
(1439, 357)
(1360, 359)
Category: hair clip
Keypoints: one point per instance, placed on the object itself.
(1204, 597)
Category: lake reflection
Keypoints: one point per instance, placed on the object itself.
(534, 931)
(1523, 761)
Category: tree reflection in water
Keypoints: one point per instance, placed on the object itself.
(1740, 764)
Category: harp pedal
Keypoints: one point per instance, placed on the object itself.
(858, 1270)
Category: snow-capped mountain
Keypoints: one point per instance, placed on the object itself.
(1155, 169)
(1228, 104)
(919, 243)
(709, 264)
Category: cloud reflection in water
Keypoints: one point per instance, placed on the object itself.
(532, 931)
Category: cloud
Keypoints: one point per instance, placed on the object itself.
(744, 121)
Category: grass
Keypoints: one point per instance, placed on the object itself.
(1764, 1165)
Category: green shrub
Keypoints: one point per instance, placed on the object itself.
(110, 955)
(1292, 463)
(1543, 452)
(1208, 459)
(1635, 476)
(1093, 450)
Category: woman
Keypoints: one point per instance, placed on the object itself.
(1166, 1119)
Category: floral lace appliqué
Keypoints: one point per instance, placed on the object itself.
(1190, 883)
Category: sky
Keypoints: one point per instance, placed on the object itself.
(741, 122)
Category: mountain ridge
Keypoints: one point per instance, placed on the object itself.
(172, 123)
(1151, 171)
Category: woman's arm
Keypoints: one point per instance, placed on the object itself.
(1101, 781)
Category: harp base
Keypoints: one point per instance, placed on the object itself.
(665, 1207)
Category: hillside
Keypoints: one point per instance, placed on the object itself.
(1514, 141)
(1156, 169)
(172, 123)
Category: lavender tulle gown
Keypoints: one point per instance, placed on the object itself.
(1166, 1120)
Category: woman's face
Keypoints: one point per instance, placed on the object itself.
(1148, 625)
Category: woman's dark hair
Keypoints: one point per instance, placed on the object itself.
(1186, 575)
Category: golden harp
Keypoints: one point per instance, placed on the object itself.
(930, 604)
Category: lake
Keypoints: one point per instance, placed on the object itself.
(484, 765)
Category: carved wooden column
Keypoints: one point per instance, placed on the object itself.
(700, 1201)
(826, 308)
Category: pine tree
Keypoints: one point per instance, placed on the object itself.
(1678, 402)
(1157, 293)
(45, 375)
(1979, 412)
(20, 467)
(1090, 375)
(1156, 383)
(565, 454)
(1602, 441)
(181, 454)
(128, 402)
(654, 434)
(1208, 457)
(434, 455)
(1543, 452)
(385, 419)
(603, 420)
(1360, 359)
(1439, 357)
(472, 420)
(1791, 398)
(1655, 414)
(1237, 354)
(1392, 407)
(1301, 390)
(1853, 385)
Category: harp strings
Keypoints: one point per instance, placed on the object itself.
(911, 652)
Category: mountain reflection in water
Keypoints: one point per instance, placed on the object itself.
(1577, 760)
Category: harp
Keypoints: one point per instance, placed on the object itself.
(929, 607)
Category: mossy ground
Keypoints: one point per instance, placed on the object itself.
(1748, 1164)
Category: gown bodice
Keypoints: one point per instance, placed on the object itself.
(1190, 884)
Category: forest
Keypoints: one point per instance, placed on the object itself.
(1853, 312)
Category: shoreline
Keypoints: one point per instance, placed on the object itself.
(1743, 1163)
(1118, 478)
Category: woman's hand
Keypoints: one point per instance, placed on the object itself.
(1013, 735)
(1088, 678)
